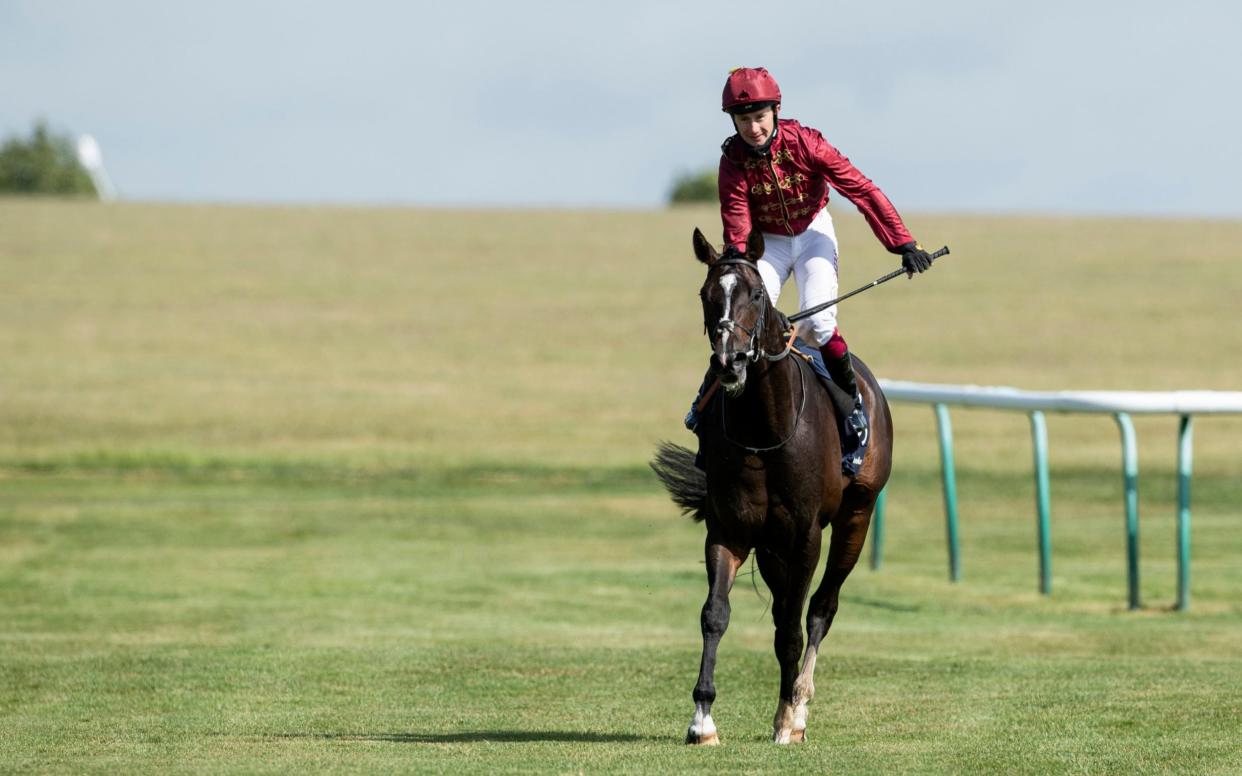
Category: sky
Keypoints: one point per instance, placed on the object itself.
(955, 106)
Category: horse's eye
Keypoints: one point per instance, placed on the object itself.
(756, 295)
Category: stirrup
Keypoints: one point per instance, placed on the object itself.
(858, 421)
(858, 418)
(857, 426)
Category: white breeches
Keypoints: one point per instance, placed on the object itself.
(812, 258)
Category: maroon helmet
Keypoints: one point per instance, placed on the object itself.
(749, 89)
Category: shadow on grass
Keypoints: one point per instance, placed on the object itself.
(876, 603)
(479, 736)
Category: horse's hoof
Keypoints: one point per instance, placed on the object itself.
(797, 736)
(707, 739)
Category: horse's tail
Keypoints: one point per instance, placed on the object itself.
(685, 483)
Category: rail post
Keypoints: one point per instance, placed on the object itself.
(1129, 464)
(949, 477)
(1043, 523)
(1185, 443)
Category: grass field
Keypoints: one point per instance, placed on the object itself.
(365, 491)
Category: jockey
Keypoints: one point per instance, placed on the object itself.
(774, 176)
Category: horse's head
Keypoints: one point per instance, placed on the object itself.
(735, 308)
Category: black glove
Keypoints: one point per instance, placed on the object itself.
(913, 258)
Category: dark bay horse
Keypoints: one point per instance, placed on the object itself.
(773, 482)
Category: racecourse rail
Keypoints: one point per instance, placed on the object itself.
(1121, 405)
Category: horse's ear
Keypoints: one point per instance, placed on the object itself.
(703, 249)
(754, 245)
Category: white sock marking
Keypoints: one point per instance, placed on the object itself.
(702, 724)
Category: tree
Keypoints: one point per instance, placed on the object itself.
(44, 164)
(693, 187)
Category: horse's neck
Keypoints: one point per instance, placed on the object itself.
(770, 388)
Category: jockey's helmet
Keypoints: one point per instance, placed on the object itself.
(749, 89)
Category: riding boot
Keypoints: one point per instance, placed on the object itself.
(841, 370)
(693, 416)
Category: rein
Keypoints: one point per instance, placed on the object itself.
(724, 426)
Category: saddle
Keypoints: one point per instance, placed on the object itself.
(853, 445)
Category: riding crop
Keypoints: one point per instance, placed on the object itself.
(807, 313)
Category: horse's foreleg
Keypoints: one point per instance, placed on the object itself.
(722, 565)
(789, 578)
(849, 531)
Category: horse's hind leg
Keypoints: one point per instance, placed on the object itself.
(789, 579)
(849, 532)
(722, 566)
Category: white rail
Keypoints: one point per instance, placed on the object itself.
(1120, 404)
(1133, 402)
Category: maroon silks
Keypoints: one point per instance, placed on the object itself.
(781, 191)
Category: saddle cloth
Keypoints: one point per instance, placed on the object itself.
(853, 443)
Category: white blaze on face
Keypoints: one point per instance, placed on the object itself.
(727, 284)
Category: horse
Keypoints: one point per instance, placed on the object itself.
(771, 481)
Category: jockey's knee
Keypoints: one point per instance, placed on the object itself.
(835, 345)
(820, 330)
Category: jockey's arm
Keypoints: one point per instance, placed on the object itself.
(843, 176)
(734, 204)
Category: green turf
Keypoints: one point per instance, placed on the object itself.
(365, 491)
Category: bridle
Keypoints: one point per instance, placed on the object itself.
(757, 352)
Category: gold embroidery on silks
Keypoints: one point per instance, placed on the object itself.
(787, 183)
(783, 155)
(765, 213)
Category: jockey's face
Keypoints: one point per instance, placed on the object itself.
(757, 126)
